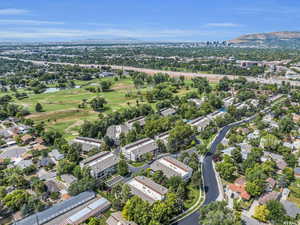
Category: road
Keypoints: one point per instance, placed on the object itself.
(210, 77)
(210, 180)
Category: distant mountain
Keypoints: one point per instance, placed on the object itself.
(284, 39)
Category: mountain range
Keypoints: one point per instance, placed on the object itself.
(286, 39)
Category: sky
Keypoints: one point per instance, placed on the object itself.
(148, 20)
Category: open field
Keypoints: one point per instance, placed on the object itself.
(60, 109)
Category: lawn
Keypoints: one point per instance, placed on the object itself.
(61, 110)
(192, 196)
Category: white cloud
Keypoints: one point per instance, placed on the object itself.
(28, 22)
(13, 11)
(222, 25)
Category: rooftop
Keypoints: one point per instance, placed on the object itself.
(171, 167)
(147, 189)
(57, 209)
(117, 219)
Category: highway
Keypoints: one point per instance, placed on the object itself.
(210, 77)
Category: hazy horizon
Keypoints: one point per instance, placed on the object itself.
(66, 20)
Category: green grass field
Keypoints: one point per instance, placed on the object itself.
(60, 109)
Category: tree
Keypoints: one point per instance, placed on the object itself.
(122, 168)
(16, 199)
(98, 103)
(217, 213)
(105, 85)
(286, 124)
(237, 155)
(255, 188)
(38, 107)
(277, 213)
(261, 213)
(226, 168)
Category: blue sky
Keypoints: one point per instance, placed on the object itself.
(185, 20)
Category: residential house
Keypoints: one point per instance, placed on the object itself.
(117, 219)
(140, 120)
(163, 137)
(228, 101)
(26, 139)
(91, 210)
(23, 164)
(39, 147)
(52, 214)
(297, 172)
(280, 163)
(138, 149)
(253, 135)
(198, 102)
(68, 179)
(147, 189)
(167, 112)
(52, 186)
(172, 167)
(87, 144)
(46, 175)
(106, 74)
(101, 164)
(114, 132)
(291, 208)
(55, 155)
(45, 162)
(200, 123)
(270, 184)
(268, 196)
(238, 189)
(285, 193)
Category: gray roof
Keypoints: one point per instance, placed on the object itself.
(117, 219)
(98, 206)
(198, 102)
(297, 170)
(68, 178)
(52, 186)
(45, 175)
(46, 161)
(150, 184)
(24, 163)
(291, 208)
(140, 120)
(100, 161)
(106, 74)
(56, 154)
(250, 221)
(168, 172)
(12, 152)
(167, 112)
(6, 133)
(141, 147)
(114, 131)
(57, 209)
(87, 143)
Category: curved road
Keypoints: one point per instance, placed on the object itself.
(210, 180)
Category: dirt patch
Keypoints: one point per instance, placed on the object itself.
(122, 86)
